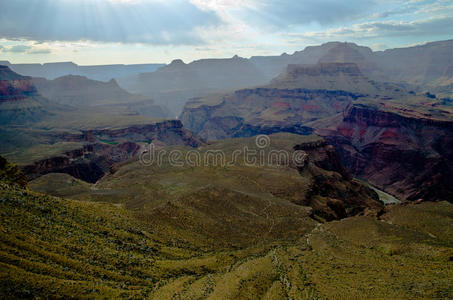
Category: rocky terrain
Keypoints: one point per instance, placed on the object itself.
(14, 87)
(424, 67)
(330, 181)
(403, 149)
(397, 140)
(101, 149)
(74, 130)
(19, 100)
(321, 183)
(299, 95)
(52, 247)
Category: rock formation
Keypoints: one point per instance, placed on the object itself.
(300, 95)
(105, 147)
(20, 102)
(403, 150)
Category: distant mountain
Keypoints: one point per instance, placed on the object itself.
(172, 85)
(422, 68)
(351, 53)
(98, 72)
(81, 126)
(331, 76)
(299, 95)
(79, 91)
(417, 65)
(274, 65)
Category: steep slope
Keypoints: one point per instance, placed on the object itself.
(61, 248)
(363, 57)
(329, 76)
(92, 153)
(20, 102)
(11, 174)
(404, 149)
(299, 95)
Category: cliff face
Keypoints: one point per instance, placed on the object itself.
(404, 152)
(106, 147)
(20, 102)
(302, 94)
(333, 194)
(329, 76)
(169, 132)
(15, 90)
(88, 163)
(263, 110)
(15, 87)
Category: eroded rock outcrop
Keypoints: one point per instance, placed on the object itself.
(88, 163)
(106, 147)
(333, 193)
(20, 102)
(262, 111)
(404, 151)
(168, 132)
(14, 87)
(299, 95)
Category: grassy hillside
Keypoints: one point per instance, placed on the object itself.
(231, 204)
(52, 247)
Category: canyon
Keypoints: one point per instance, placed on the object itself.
(348, 187)
(397, 140)
(402, 151)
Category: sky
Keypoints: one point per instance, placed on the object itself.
(93, 32)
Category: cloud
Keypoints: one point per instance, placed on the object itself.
(442, 25)
(40, 51)
(284, 13)
(138, 21)
(16, 49)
